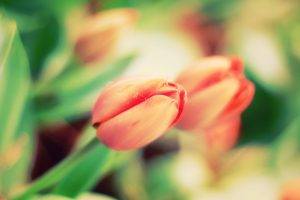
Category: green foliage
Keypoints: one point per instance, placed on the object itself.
(267, 115)
(86, 173)
(286, 149)
(15, 118)
(219, 10)
(68, 96)
(160, 180)
(41, 24)
(85, 196)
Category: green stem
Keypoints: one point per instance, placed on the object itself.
(56, 173)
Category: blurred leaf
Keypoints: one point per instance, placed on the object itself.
(110, 4)
(69, 96)
(219, 10)
(160, 183)
(55, 174)
(15, 113)
(50, 197)
(56, 61)
(133, 173)
(85, 196)
(267, 115)
(94, 196)
(41, 41)
(288, 34)
(86, 173)
(286, 149)
(37, 7)
(91, 168)
(41, 25)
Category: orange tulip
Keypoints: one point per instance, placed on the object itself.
(291, 190)
(100, 32)
(218, 93)
(131, 113)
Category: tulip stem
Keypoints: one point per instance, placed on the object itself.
(57, 172)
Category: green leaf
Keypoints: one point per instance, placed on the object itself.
(133, 173)
(73, 96)
(267, 115)
(91, 168)
(160, 181)
(286, 149)
(85, 196)
(14, 84)
(15, 115)
(94, 196)
(55, 174)
(219, 10)
(86, 173)
(40, 42)
(50, 197)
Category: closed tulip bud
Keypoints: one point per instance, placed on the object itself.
(218, 93)
(100, 32)
(131, 113)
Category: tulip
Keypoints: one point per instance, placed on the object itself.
(218, 93)
(100, 32)
(131, 113)
(291, 190)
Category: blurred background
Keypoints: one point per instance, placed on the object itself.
(53, 64)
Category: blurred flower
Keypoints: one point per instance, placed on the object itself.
(99, 33)
(291, 190)
(218, 93)
(132, 113)
(207, 33)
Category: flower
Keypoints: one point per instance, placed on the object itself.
(218, 93)
(205, 32)
(99, 33)
(131, 113)
(291, 190)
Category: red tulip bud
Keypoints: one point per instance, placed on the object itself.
(130, 114)
(100, 32)
(218, 93)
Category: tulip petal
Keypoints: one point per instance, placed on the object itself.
(241, 100)
(139, 125)
(122, 95)
(204, 107)
(291, 190)
(206, 70)
(223, 135)
(237, 66)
